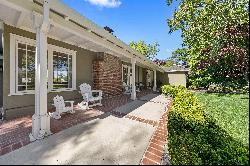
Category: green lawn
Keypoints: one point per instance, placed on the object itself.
(231, 112)
(212, 130)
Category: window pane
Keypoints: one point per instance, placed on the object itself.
(125, 74)
(22, 88)
(61, 72)
(21, 46)
(31, 48)
(21, 68)
(30, 70)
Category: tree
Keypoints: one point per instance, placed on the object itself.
(149, 50)
(180, 56)
(109, 29)
(166, 63)
(216, 34)
(169, 63)
(160, 62)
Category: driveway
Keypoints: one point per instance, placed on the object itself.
(110, 139)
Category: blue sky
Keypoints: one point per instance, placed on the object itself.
(133, 20)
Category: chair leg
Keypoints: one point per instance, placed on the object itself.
(56, 115)
(100, 102)
(72, 109)
(87, 105)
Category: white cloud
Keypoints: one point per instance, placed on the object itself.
(106, 3)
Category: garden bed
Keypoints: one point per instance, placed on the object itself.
(203, 131)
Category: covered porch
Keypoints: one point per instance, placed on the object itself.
(14, 134)
(48, 23)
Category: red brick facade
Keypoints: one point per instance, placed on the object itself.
(107, 74)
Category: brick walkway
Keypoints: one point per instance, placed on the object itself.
(155, 150)
(14, 134)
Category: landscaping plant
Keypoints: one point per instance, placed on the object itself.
(194, 136)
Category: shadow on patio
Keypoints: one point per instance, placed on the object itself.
(15, 133)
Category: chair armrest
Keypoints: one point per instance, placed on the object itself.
(69, 101)
(97, 91)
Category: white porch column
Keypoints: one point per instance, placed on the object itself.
(133, 94)
(154, 88)
(41, 119)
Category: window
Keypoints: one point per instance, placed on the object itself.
(61, 67)
(126, 74)
(62, 70)
(25, 67)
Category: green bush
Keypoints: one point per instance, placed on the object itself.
(171, 90)
(194, 137)
(228, 88)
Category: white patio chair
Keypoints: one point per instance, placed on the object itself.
(88, 97)
(127, 88)
(59, 103)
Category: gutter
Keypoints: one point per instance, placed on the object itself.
(70, 13)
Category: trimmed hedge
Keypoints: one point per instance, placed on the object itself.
(194, 137)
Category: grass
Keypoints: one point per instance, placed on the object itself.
(222, 139)
(231, 113)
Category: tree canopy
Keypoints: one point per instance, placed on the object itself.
(180, 56)
(149, 50)
(216, 35)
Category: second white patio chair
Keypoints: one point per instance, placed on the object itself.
(89, 97)
(127, 88)
(59, 103)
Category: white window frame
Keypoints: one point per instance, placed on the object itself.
(51, 49)
(129, 74)
(26, 42)
(14, 40)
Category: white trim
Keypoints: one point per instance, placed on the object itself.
(129, 74)
(50, 68)
(68, 52)
(12, 64)
(26, 6)
(155, 86)
(14, 39)
(133, 94)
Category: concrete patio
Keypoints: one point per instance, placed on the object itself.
(111, 137)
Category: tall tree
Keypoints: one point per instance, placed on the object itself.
(149, 50)
(216, 34)
(180, 56)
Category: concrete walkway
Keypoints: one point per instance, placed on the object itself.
(106, 140)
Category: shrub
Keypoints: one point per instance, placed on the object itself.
(227, 88)
(171, 90)
(194, 137)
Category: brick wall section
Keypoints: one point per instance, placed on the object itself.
(107, 74)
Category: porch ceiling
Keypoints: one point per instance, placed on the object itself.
(21, 14)
(15, 18)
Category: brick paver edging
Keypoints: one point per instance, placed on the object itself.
(135, 118)
(155, 150)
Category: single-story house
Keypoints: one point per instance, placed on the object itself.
(174, 75)
(49, 49)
